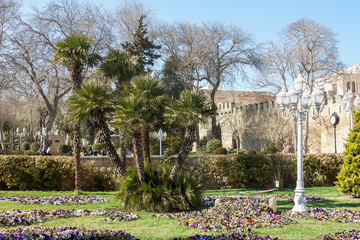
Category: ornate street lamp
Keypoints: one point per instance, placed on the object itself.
(349, 105)
(21, 135)
(161, 136)
(300, 101)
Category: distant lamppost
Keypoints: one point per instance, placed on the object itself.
(161, 136)
(21, 135)
(349, 105)
(334, 120)
(300, 100)
(44, 137)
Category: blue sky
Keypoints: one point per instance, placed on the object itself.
(263, 18)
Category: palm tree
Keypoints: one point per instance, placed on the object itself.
(95, 100)
(153, 95)
(188, 111)
(129, 111)
(74, 53)
(120, 66)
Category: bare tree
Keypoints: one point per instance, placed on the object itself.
(30, 61)
(226, 52)
(305, 47)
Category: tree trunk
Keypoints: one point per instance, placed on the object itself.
(104, 137)
(197, 138)
(213, 118)
(184, 151)
(138, 156)
(145, 140)
(122, 146)
(77, 156)
(1, 134)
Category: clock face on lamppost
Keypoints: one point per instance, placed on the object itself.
(334, 119)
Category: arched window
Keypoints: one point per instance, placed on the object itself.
(353, 87)
(347, 86)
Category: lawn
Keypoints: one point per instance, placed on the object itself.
(148, 227)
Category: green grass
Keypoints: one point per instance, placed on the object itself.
(149, 228)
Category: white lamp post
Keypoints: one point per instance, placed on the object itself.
(44, 137)
(21, 135)
(349, 105)
(300, 100)
(162, 136)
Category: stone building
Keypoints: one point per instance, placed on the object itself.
(252, 120)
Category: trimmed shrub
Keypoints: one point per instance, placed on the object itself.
(274, 147)
(25, 146)
(159, 193)
(63, 149)
(35, 147)
(241, 170)
(50, 173)
(251, 152)
(220, 151)
(212, 145)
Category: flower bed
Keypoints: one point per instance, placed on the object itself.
(353, 234)
(64, 233)
(56, 200)
(334, 215)
(236, 215)
(225, 236)
(26, 218)
(209, 201)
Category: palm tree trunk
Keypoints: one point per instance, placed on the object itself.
(138, 156)
(104, 138)
(77, 156)
(184, 151)
(145, 140)
(122, 147)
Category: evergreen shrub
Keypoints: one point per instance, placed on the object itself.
(35, 147)
(349, 176)
(159, 193)
(251, 152)
(63, 149)
(212, 144)
(220, 151)
(25, 146)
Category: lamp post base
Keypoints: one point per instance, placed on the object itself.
(300, 201)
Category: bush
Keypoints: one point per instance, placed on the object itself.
(274, 147)
(174, 143)
(263, 152)
(35, 147)
(63, 149)
(212, 145)
(349, 177)
(96, 147)
(159, 193)
(220, 151)
(50, 173)
(25, 146)
(240, 170)
(251, 152)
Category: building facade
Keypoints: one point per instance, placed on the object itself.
(252, 120)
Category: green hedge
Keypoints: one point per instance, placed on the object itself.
(259, 170)
(49, 173)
